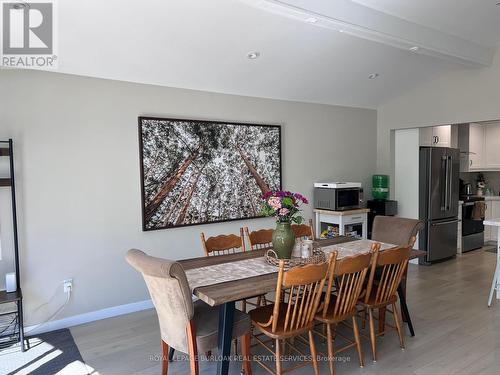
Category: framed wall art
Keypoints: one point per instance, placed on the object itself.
(198, 172)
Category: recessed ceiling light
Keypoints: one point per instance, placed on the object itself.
(311, 20)
(414, 48)
(341, 31)
(253, 55)
(373, 76)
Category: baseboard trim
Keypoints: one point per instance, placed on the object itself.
(89, 317)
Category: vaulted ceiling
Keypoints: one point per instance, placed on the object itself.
(475, 20)
(320, 51)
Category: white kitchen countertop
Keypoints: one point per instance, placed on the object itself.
(492, 198)
(492, 222)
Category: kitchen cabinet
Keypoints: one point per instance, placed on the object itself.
(492, 212)
(437, 136)
(492, 147)
(471, 144)
(479, 147)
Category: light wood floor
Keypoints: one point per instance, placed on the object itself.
(456, 332)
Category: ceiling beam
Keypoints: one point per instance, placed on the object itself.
(367, 23)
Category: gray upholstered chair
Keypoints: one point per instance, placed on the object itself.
(398, 231)
(185, 326)
(395, 230)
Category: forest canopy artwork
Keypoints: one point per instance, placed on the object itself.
(196, 172)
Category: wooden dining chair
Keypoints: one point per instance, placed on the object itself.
(348, 275)
(293, 316)
(185, 326)
(223, 244)
(304, 231)
(381, 291)
(260, 239)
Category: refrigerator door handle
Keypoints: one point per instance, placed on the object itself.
(444, 223)
(446, 184)
(449, 169)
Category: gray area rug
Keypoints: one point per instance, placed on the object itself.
(48, 354)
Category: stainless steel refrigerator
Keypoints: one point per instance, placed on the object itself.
(439, 190)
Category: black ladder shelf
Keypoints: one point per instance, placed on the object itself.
(11, 321)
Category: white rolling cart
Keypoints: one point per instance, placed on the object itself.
(342, 219)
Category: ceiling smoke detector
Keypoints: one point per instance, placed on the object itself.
(373, 76)
(253, 55)
(311, 20)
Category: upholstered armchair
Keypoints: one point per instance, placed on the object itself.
(185, 326)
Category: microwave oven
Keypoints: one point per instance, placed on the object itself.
(338, 196)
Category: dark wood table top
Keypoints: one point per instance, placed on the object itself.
(236, 290)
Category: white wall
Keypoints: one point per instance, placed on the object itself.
(406, 169)
(460, 95)
(78, 175)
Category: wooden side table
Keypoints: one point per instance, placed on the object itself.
(342, 219)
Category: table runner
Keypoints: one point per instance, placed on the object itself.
(220, 273)
(347, 249)
(243, 269)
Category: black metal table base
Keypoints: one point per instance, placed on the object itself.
(226, 318)
(404, 310)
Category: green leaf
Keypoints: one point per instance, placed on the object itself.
(298, 219)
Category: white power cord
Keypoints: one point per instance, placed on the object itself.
(55, 314)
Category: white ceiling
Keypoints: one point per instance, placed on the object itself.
(475, 20)
(202, 45)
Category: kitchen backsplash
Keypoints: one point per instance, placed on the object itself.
(492, 180)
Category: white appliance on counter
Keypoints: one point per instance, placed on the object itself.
(338, 196)
(337, 185)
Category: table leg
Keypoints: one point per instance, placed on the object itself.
(318, 225)
(341, 226)
(381, 320)
(404, 310)
(498, 261)
(226, 318)
(493, 284)
(21, 323)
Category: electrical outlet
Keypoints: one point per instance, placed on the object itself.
(68, 285)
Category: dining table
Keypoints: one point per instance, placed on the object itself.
(225, 279)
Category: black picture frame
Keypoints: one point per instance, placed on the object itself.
(141, 119)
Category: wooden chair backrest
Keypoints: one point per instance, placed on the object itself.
(350, 273)
(391, 265)
(223, 244)
(305, 284)
(412, 241)
(303, 231)
(260, 239)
